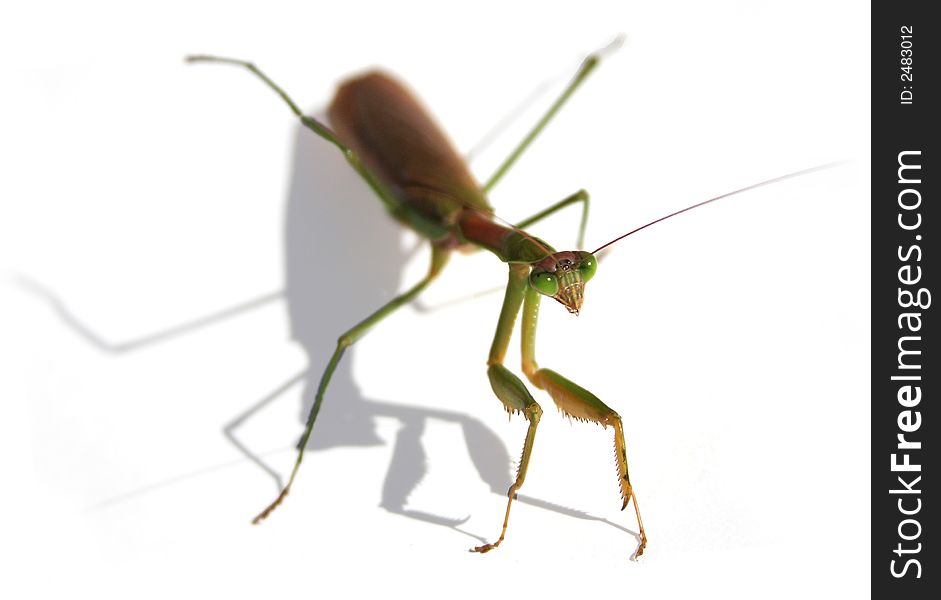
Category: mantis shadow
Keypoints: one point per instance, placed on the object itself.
(343, 259)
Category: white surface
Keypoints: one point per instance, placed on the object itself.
(733, 340)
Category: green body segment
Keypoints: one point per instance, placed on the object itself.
(394, 145)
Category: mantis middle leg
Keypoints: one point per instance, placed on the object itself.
(439, 258)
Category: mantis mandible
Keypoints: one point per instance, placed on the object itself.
(393, 144)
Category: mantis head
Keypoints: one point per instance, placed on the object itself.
(562, 276)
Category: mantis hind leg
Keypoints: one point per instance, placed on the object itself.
(439, 258)
(578, 403)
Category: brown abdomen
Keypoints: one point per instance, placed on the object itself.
(398, 141)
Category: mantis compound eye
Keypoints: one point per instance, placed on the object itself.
(588, 266)
(544, 282)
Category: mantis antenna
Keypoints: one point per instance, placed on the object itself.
(753, 186)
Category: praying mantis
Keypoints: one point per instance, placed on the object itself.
(392, 143)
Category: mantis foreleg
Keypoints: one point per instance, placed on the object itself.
(578, 403)
(508, 387)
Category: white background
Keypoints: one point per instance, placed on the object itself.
(140, 196)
